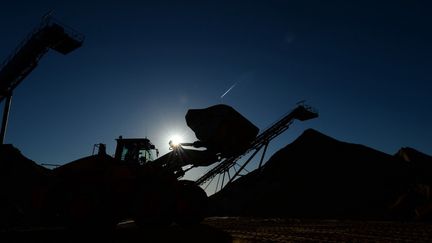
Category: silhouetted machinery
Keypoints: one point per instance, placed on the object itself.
(49, 35)
(231, 163)
(102, 190)
(99, 191)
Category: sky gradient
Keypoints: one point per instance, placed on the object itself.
(365, 66)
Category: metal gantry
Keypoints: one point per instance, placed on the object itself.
(50, 34)
(301, 112)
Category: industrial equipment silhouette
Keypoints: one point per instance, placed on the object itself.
(49, 35)
(100, 190)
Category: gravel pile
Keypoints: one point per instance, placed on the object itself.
(317, 176)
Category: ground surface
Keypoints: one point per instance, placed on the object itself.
(238, 230)
(281, 230)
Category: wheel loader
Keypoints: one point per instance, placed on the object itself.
(100, 190)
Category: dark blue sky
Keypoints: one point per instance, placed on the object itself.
(366, 66)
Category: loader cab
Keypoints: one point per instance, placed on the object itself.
(135, 150)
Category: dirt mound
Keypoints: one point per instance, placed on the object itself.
(416, 202)
(318, 176)
(419, 163)
(23, 186)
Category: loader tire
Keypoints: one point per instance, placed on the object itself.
(191, 204)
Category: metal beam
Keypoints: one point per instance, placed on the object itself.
(244, 165)
(5, 117)
(262, 156)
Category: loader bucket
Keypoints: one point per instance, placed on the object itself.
(222, 129)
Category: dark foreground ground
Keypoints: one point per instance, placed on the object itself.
(291, 230)
(239, 230)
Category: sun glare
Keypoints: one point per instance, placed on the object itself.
(176, 140)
